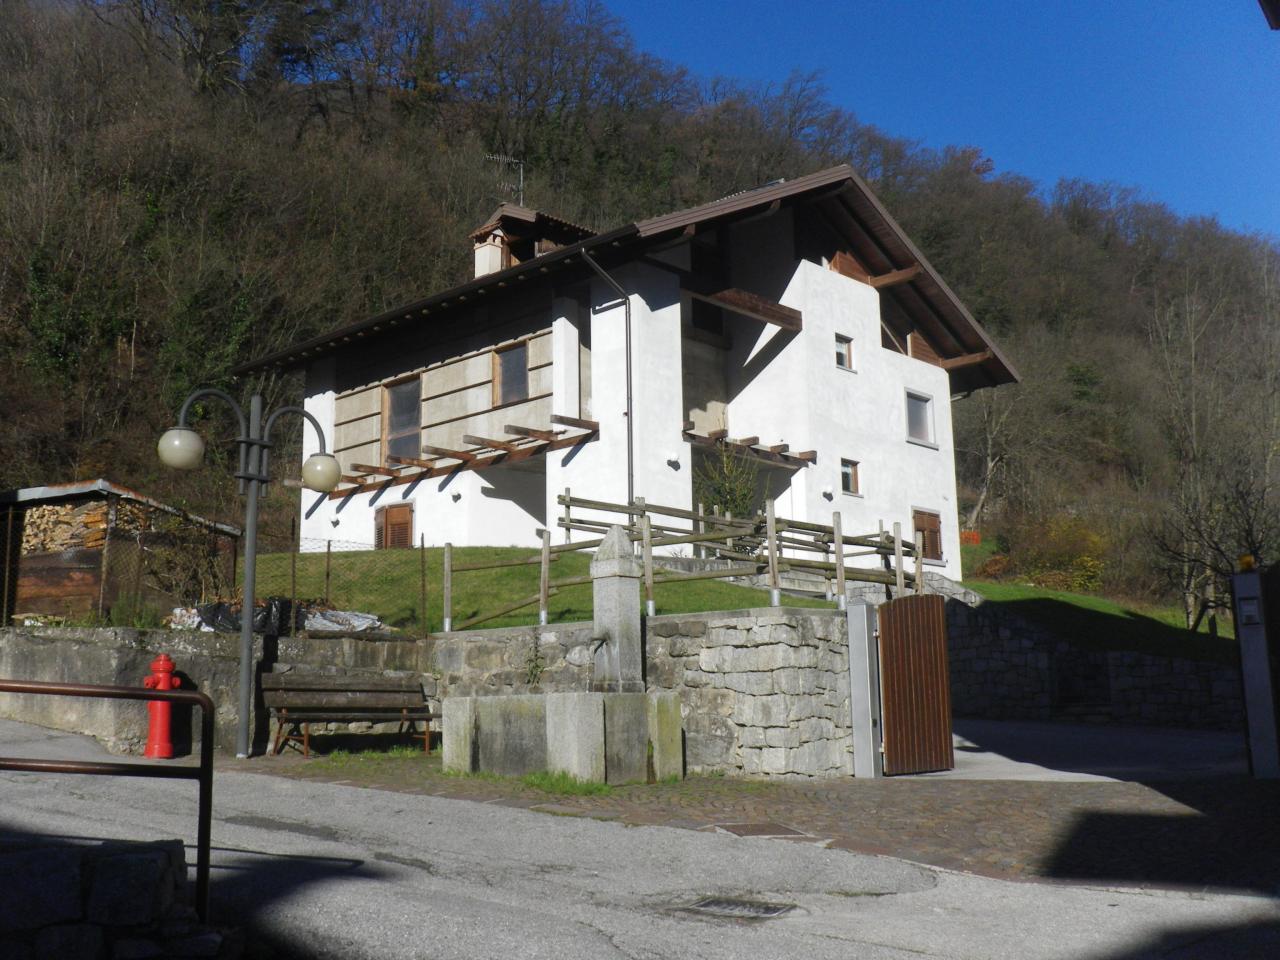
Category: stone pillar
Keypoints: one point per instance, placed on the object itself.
(615, 587)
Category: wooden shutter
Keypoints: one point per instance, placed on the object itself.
(393, 527)
(929, 525)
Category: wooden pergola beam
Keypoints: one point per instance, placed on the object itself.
(473, 463)
(380, 471)
(414, 462)
(490, 443)
(518, 431)
(591, 426)
(466, 456)
(747, 450)
(895, 277)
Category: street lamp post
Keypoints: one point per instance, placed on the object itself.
(182, 447)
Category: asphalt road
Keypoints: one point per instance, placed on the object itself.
(323, 870)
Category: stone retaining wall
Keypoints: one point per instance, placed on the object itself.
(1005, 668)
(764, 692)
(113, 899)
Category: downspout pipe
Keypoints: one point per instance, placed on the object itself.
(626, 309)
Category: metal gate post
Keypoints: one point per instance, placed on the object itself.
(864, 689)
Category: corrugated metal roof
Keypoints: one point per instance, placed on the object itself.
(80, 488)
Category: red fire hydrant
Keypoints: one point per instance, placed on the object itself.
(159, 741)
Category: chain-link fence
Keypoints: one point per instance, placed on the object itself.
(344, 584)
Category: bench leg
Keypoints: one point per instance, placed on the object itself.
(306, 741)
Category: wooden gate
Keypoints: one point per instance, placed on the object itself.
(915, 698)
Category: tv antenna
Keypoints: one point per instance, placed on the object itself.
(518, 186)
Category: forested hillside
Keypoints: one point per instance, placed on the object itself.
(184, 185)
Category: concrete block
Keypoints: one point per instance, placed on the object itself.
(575, 735)
(665, 733)
(458, 734)
(78, 941)
(41, 887)
(626, 737)
(511, 734)
(127, 889)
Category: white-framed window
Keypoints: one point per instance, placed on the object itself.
(844, 352)
(920, 418)
(849, 477)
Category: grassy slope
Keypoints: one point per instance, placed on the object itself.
(388, 583)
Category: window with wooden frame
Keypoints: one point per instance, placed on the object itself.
(849, 477)
(402, 418)
(393, 527)
(928, 526)
(920, 418)
(511, 374)
(844, 352)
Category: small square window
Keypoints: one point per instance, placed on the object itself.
(844, 352)
(919, 418)
(849, 477)
(511, 375)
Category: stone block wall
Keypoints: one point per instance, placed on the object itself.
(112, 899)
(763, 692)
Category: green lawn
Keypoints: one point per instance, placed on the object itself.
(388, 583)
(1101, 624)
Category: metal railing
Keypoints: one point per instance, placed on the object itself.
(202, 773)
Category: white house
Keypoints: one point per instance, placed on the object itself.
(794, 323)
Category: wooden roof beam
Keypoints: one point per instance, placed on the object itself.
(752, 305)
(895, 277)
(746, 441)
(966, 360)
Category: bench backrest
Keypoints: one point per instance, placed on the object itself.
(346, 692)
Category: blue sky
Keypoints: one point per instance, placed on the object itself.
(1175, 97)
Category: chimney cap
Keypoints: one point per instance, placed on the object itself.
(511, 218)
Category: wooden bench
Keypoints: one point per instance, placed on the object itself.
(300, 699)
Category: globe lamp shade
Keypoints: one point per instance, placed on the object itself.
(321, 472)
(181, 448)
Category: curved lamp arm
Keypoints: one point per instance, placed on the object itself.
(222, 395)
(266, 434)
(266, 430)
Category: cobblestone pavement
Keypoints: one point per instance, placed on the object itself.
(1221, 834)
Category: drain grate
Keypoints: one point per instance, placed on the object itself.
(766, 829)
(737, 909)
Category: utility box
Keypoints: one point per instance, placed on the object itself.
(1257, 619)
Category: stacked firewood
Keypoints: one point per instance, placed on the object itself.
(52, 527)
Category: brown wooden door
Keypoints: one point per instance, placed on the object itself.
(915, 691)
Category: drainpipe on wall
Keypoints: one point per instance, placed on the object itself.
(626, 307)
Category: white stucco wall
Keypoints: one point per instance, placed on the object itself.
(785, 388)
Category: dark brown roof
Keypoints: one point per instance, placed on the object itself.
(841, 198)
(1271, 8)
